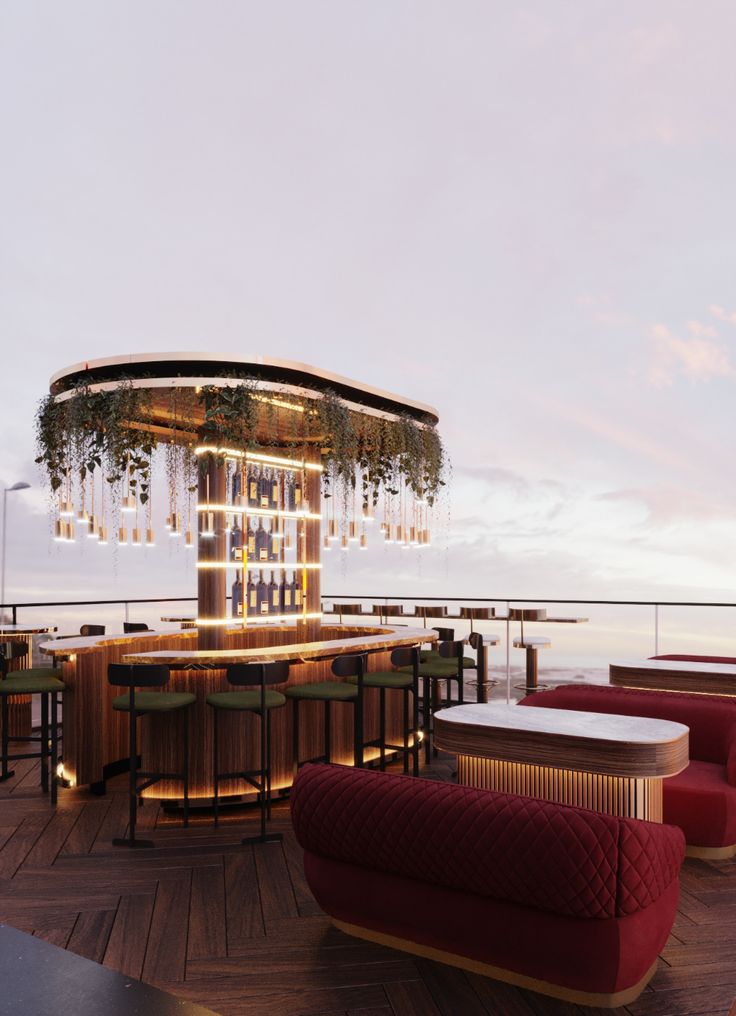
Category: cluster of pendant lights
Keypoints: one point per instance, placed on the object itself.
(411, 531)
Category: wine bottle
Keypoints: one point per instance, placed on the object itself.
(273, 596)
(237, 486)
(236, 542)
(296, 594)
(252, 597)
(275, 499)
(251, 541)
(262, 543)
(237, 595)
(264, 490)
(284, 595)
(261, 596)
(297, 493)
(274, 543)
(252, 480)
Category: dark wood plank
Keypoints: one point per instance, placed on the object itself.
(451, 990)
(21, 842)
(411, 998)
(207, 924)
(91, 933)
(242, 900)
(166, 952)
(274, 883)
(84, 832)
(126, 948)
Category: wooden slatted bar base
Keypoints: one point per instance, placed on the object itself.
(613, 795)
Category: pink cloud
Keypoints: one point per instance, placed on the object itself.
(698, 357)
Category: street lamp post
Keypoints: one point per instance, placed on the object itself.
(21, 485)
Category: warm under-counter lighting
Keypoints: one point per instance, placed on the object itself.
(268, 513)
(259, 565)
(267, 460)
(237, 622)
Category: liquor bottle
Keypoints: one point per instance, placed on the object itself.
(284, 595)
(274, 543)
(252, 596)
(237, 486)
(251, 542)
(252, 483)
(237, 595)
(262, 543)
(297, 494)
(264, 490)
(236, 542)
(274, 607)
(275, 499)
(296, 594)
(261, 596)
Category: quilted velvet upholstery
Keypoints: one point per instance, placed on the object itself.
(519, 850)
(711, 718)
(695, 659)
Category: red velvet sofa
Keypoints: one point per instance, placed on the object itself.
(701, 800)
(568, 902)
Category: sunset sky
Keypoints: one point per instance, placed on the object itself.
(520, 213)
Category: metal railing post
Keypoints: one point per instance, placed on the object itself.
(656, 629)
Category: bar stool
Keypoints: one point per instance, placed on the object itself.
(33, 681)
(130, 627)
(92, 629)
(448, 665)
(482, 681)
(399, 680)
(329, 692)
(260, 702)
(148, 675)
(433, 655)
(532, 644)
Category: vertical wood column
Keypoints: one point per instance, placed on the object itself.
(212, 582)
(310, 548)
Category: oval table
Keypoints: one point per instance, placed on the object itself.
(613, 764)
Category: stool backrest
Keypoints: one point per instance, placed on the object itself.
(258, 673)
(446, 634)
(451, 649)
(349, 666)
(92, 629)
(405, 656)
(138, 675)
(10, 651)
(132, 626)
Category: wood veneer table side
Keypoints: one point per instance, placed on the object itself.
(675, 675)
(663, 753)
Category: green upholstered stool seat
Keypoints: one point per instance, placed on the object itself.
(155, 701)
(35, 681)
(445, 669)
(434, 657)
(250, 700)
(386, 679)
(323, 691)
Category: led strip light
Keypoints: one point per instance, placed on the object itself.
(266, 460)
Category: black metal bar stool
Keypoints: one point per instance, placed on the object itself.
(329, 692)
(447, 664)
(148, 675)
(260, 702)
(399, 680)
(482, 681)
(32, 681)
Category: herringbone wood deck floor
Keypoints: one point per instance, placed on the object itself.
(236, 929)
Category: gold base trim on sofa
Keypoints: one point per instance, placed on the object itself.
(603, 1000)
(711, 853)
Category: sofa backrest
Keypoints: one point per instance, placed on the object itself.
(711, 718)
(518, 849)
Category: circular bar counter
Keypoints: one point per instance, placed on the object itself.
(96, 737)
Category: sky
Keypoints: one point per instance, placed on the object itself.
(521, 214)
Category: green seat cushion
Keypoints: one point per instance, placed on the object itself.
(330, 691)
(155, 701)
(250, 700)
(432, 656)
(386, 679)
(33, 681)
(438, 670)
